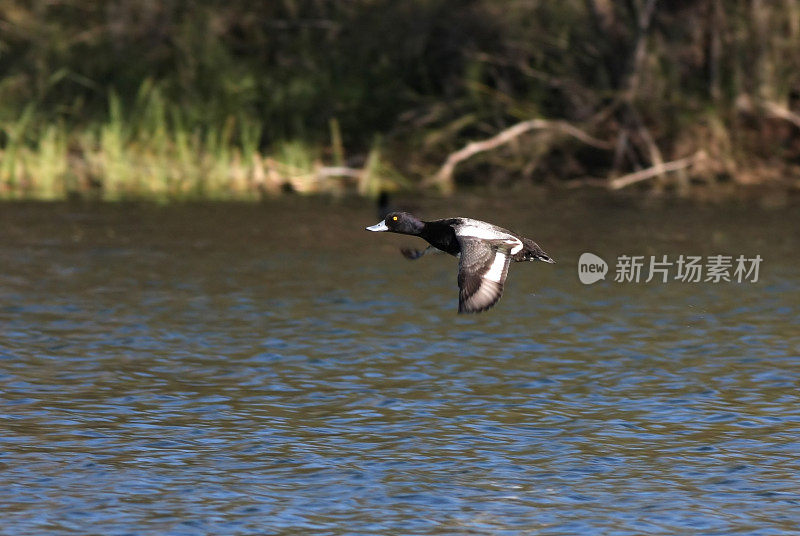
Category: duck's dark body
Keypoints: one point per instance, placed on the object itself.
(441, 235)
(484, 252)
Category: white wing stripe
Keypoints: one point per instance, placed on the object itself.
(474, 231)
(495, 272)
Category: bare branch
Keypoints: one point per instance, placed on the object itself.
(339, 171)
(746, 104)
(655, 171)
(444, 177)
(781, 112)
(656, 159)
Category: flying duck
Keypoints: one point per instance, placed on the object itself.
(484, 251)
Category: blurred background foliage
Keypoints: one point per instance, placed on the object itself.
(237, 99)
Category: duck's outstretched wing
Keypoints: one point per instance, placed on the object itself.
(413, 254)
(482, 271)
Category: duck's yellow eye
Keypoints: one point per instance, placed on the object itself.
(394, 218)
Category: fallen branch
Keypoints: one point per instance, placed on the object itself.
(746, 104)
(655, 171)
(444, 177)
(776, 110)
(339, 171)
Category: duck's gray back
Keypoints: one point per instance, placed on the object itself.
(481, 229)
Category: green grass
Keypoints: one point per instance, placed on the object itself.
(240, 100)
(152, 152)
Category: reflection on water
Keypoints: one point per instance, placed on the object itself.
(275, 369)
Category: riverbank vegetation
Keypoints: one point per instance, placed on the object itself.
(236, 99)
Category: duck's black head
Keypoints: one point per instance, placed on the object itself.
(399, 222)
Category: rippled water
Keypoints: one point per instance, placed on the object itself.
(275, 369)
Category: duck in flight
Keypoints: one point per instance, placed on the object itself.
(484, 252)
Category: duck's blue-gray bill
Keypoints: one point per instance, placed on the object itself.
(378, 227)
